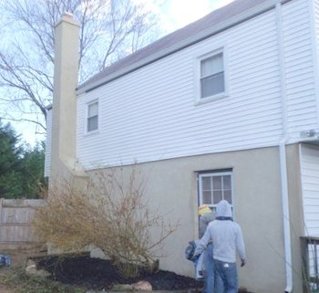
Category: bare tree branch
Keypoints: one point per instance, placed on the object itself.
(109, 29)
(26, 120)
(14, 78)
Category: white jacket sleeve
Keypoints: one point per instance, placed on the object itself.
(203, 242)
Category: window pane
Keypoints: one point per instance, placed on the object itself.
(212, 85)
(212, 65)
(214, 187)
(227, 196)
(92, 123)
(93, 110)
(206, 183)
(207, 197)
(217, 195)
(227, 181)
(217, 182)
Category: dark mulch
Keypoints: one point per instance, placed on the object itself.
(98, 274)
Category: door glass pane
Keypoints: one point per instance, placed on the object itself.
(227, 196)
(214, 187)
(227, 182)
(207, 197)
(206, 183)
(217, 182)
(217, 195)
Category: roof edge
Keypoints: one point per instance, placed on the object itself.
(228, 23)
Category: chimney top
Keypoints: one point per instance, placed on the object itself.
(68, 14)
(68, 17)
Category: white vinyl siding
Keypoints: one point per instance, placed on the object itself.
(315, 11)
(310, 188)
(299, 67)
(48, 141)
(316, 23)
(149, 114)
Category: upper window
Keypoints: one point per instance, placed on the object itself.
(92, 116)
(212, 76)
(215, 186)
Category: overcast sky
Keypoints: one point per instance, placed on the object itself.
(172, 14)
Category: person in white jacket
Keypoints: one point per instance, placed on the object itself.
(227, 240)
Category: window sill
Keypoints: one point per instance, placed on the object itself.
(201, 101)
(93, 132)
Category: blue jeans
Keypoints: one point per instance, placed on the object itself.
(227, 272)
(209, 281)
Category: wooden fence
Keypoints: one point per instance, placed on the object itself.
(15, 220)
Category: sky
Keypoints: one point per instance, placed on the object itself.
(172, 15)
(175, 14)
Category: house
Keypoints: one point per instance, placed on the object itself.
(226, 107)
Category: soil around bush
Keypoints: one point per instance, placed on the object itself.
(98, 274)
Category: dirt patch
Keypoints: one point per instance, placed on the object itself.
(98, 274)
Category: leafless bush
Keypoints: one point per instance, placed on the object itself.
(111, 213)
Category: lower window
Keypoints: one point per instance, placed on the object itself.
(215, 186)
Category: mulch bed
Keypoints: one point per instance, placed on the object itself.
(98, 274)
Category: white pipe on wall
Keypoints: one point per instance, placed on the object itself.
(286, 216)
(282, 155)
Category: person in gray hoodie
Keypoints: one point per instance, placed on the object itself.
(227, 239)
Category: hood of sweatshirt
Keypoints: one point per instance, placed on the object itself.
(223, 209)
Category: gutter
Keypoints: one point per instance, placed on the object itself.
(209, 32)
(282, 155)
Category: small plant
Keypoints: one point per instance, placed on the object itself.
(111, 213)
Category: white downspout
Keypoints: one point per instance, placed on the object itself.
(286, 217)
(282, 155)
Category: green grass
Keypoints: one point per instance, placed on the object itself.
(16, 279)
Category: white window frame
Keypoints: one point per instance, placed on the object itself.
(212, 174)
(87, 131)
(199, 99)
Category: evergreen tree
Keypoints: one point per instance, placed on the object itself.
(21, 169)
(33, 169)
(10, 163)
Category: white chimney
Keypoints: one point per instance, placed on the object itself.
(66, 64)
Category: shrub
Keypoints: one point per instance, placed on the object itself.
(111, 213)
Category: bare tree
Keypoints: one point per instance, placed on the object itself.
(110, 29)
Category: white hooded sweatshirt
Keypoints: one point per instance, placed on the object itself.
(225, 234)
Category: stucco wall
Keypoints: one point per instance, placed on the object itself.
(172, 190)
